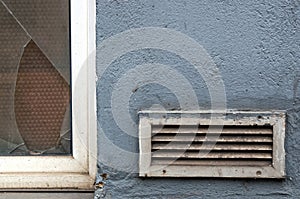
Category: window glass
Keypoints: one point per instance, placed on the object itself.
(35, 77)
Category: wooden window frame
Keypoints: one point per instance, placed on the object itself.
(76, 171)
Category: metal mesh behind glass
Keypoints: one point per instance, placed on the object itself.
(34, 77)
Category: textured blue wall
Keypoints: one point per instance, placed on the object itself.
(256, 47)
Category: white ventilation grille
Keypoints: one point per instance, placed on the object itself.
(240, 144)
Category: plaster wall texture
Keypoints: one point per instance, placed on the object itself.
(256, 48)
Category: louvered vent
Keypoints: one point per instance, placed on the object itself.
(241, 145)
(189, 145)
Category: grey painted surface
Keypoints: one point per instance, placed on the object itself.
(256, 47)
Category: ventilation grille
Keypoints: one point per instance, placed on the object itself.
(202, 145)
(238, 144)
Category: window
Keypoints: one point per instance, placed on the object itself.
(47, 90)
(191, 144)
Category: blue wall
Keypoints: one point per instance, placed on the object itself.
(256, 48)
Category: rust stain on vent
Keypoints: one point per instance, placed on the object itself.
(41, 99)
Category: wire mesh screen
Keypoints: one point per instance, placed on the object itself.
(34, 77)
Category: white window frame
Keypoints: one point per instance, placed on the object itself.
(77, 171)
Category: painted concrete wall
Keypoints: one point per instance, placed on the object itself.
(256, 48)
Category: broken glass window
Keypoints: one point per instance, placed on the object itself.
(34, 77)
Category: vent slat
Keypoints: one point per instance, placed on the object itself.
(180, 146)
(202, 130)
(212, 162)
(159, 154)
(197, 138)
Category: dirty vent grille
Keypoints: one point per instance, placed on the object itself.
(202, 145)
(239, 144)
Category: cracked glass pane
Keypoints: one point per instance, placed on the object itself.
(34, 77)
